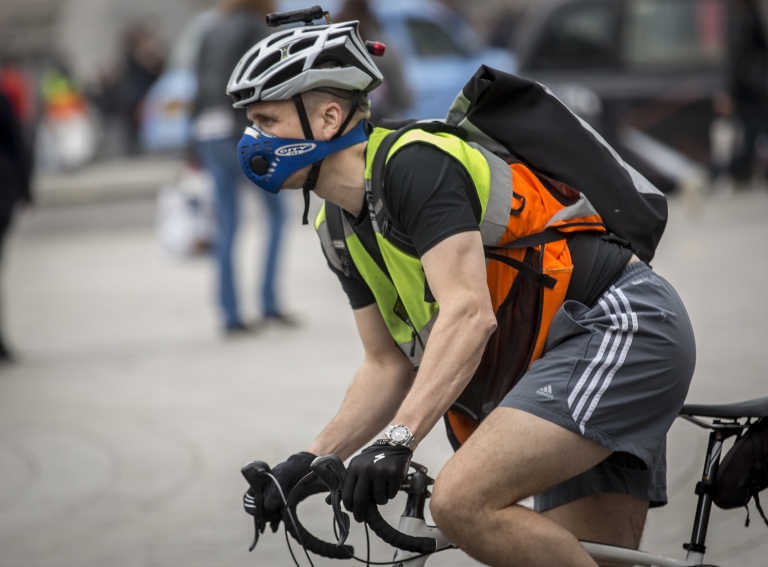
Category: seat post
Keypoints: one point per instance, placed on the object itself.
(705, 491)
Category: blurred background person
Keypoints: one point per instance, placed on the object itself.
(724, 136)
(19, 87)
(143, 61)
(748, 81)
(393, 97)
(216, 130)
(14, 182)
(104, 94)
(67, 135)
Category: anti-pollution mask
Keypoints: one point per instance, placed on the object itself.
(268, 161)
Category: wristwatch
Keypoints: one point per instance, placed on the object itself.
(399, 435)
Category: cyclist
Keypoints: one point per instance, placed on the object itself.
(583, 429)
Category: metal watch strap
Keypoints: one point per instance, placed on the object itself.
(408, 443)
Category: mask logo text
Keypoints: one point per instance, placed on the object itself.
(295, 150)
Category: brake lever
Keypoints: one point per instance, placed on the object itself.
(256, 475)
(330, 469)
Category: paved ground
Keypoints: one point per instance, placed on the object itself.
(123, 427)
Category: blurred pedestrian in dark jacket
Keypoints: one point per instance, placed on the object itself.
(393, 98)
(748, 79)
(19, 87)
(144, 59)
(217, 128)
(14, 180)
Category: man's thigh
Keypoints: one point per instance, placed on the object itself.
(514, 455)
(511, 456)
(615, 519)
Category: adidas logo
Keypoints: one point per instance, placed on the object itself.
(545, 391)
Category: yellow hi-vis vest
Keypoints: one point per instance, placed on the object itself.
(527, 284)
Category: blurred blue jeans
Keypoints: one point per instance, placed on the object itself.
(219, 158)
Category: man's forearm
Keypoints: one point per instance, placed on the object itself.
(371, 401)
(454, 351)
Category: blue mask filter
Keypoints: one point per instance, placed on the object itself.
(268, 161)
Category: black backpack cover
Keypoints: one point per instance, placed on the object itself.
(509, 114)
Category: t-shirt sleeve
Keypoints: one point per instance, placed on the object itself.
(430, 194)
(358, 293)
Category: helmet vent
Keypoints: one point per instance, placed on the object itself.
(285, 75)
(267, 63)
(251, 59)
(337, 55)
(337, 35)
(302, 45)
(278, 37)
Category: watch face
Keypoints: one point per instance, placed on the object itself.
(399, 434)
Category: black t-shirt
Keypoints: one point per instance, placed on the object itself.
(432, 197)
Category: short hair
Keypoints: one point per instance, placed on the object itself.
(316, 97)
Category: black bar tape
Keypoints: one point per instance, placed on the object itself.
(394, 537)
(310, 542)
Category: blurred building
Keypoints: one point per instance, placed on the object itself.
(85, 33)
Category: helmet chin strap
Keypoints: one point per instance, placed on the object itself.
(314, 172)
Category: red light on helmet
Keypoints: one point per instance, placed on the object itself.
(375, 48)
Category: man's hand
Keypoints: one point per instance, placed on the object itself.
(288, 474)
(376, 474)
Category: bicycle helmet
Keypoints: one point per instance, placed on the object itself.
(297, 60)
(281, 67)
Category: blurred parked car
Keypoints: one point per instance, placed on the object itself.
(439, 53)
(642, 72)
(165, 120)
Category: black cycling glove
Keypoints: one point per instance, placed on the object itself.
(288, 474)
(375, 474)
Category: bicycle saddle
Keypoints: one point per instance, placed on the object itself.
(750, 408)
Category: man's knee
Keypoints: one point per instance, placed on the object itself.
(452, 504)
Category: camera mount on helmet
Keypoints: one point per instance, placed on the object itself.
(306, 15)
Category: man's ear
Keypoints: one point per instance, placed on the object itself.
(333, 118)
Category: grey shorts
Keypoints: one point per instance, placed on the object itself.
(617, 373)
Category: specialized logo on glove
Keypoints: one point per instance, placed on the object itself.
(369, 478)
(295, 150)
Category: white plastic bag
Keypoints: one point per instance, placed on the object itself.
(186, 223)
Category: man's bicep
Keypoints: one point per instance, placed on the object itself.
(455, 270)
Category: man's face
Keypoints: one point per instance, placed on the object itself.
(278, 118)
(281, 119)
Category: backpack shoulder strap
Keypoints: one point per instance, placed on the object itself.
(389, 228)
(335, 222)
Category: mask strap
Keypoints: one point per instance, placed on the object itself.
(355, 104)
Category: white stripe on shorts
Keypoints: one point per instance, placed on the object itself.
(622, 356)
(596, 360)
(608, 360)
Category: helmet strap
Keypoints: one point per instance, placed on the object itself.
(314, 172)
